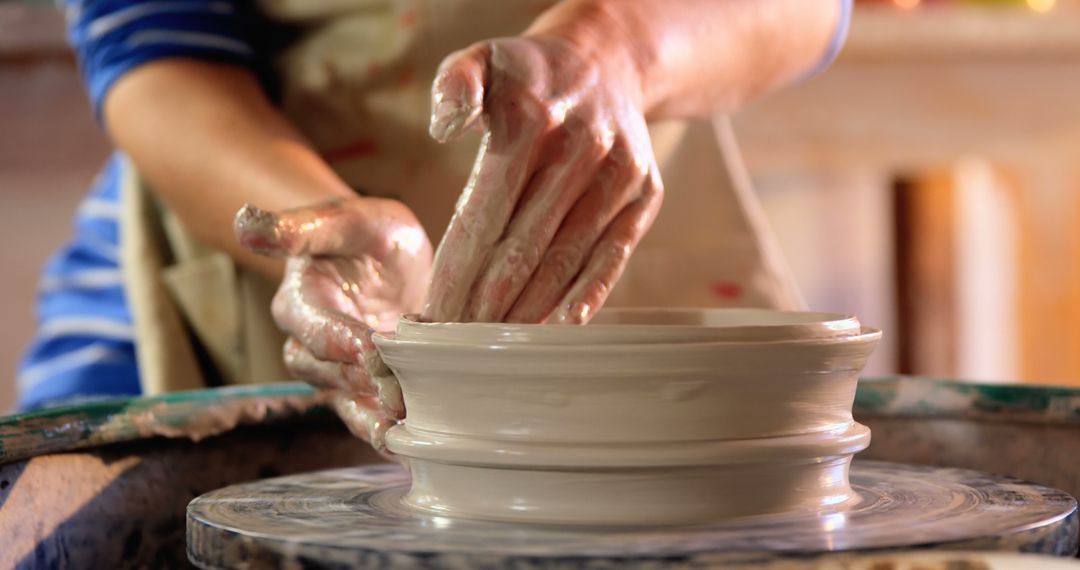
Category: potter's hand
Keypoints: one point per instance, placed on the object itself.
(564, 186)
(352, 267)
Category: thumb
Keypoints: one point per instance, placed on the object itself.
(299, 231)
(457, 94)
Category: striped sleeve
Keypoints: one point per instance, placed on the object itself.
(112, 37)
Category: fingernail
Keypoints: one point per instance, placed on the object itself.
(447, 119)
(256, 229)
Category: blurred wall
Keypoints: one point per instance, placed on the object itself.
(972, 107)
(836, 230)
(50, 149)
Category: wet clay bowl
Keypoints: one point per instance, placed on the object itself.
(645, 326)
(626, 433)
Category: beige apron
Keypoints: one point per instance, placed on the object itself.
(358, 85)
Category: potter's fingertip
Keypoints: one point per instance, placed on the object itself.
(449, 119)
(377, 433)
(372, 361)
(437, 131)
(256, 230)
(395, 414)
(441, 130)
(391, 401)
(250, 216)
(573, 314)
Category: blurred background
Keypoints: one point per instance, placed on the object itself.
(928, 182)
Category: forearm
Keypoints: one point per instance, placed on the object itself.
(208, 141)
(698, 57)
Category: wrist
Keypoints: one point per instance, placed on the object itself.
(608, 33)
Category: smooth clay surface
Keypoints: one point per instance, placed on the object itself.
(653, 427)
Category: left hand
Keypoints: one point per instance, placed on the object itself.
(353, 266)
(564, 186)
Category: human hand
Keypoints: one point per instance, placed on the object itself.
(564, 186)
(352, 267)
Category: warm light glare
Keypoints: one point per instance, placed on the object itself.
(909, 4)
(1041, 6)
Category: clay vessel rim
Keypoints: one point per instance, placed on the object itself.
(782, 320)
(389, 340)
(798, 318)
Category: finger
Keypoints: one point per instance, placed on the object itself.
(326, 374)
(608, 259)
(363, 418)
(329, 335)
(299, 231)
(515, 121)
(321, 338)
(371, 377)
(502, 167)
(549, 197)
(386, 384)
(352, 379)
(457, 94)
(618, 182)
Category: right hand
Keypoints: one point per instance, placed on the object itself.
(563, 189)
(352, 267)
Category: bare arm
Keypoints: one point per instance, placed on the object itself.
(208, 140)
(698, 57)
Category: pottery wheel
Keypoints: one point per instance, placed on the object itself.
(354, 517)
